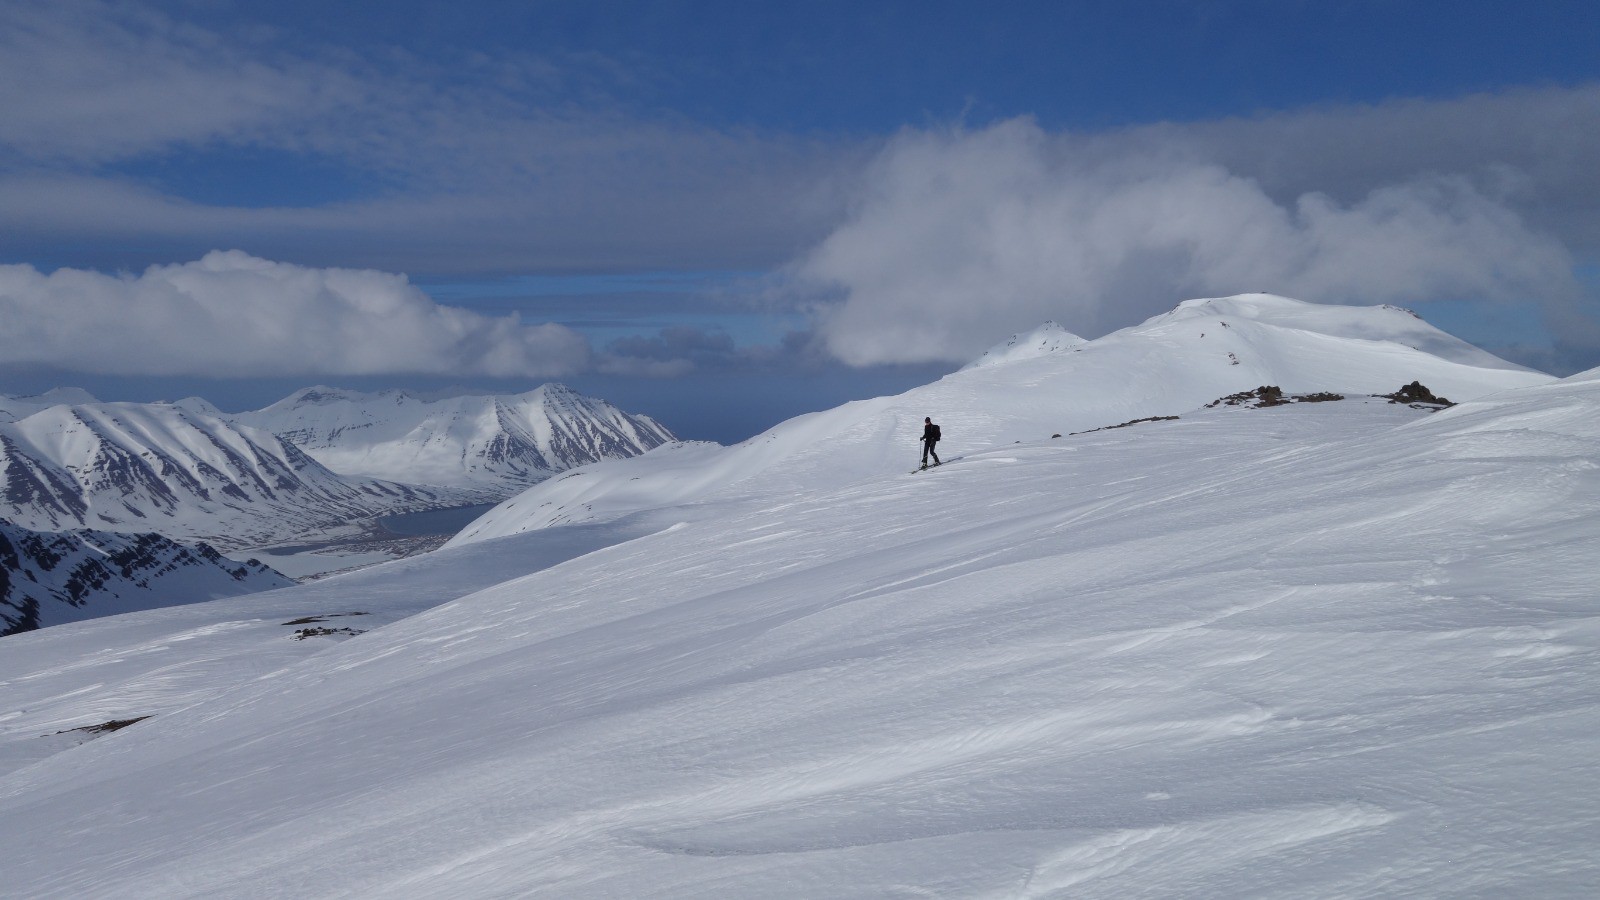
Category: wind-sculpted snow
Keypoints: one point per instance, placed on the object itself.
(1170, 365)
(1326, 649)
(495, 444)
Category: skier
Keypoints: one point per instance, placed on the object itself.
(930, 436)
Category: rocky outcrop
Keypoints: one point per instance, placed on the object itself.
(47, 578)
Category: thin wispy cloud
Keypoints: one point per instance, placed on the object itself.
(230, 314)
(90, 82)
(514, 164)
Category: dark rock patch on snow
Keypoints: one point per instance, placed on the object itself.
(312, 620)
(1417, 397)
(1124, 424)
(1271, 395)
(304, 633)
(105, 727)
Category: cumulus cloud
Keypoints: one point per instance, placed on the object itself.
(234, 315)
(1535, 149)
(963, 235)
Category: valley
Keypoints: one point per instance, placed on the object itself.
(369, 542)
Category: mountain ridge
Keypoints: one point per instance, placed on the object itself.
(158, 467)
(51, 578)
(1170, 364)
(485, 442)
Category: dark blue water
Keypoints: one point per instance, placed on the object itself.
(434, 521)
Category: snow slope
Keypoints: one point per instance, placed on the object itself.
(1331, 649)
(1047, 338)
(495, 444)
(1169, 365)
(50, 578)
(136, 467)
(13, 407)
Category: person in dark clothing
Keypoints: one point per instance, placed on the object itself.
(930, 436)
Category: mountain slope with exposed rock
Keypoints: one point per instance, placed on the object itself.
(48, 578)
(135, 467)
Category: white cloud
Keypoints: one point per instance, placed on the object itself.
(1537, 149)
(949, 240)
(493, 169)
(968, 234)
(234, 315)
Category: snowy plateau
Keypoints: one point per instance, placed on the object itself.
(1347, 648)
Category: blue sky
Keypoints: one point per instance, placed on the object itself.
(726, 213)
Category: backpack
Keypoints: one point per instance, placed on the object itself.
(936, 435)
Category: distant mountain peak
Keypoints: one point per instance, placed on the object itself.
(166, 468)
(493, 442)
(320, 394)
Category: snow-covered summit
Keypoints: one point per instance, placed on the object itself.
(1169, 365)
(1373, 323)
(13, 407)
(1047, 338)
(199, 406)
(494, 443)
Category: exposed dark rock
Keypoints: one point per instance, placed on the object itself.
(312, 620)
(106, 727)
(304, 633)
(46, 576)
(1126, 424)
(1271, 395)
(1415, 395)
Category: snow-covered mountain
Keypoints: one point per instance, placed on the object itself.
(48, 578)
(135, 467)
(1330, 649)
(13, 408)
(497, 443)
(1169, 365)
(1047, 338)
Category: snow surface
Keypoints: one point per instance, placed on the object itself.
(1327, 649)
(1047, 338)
(1331, 649)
